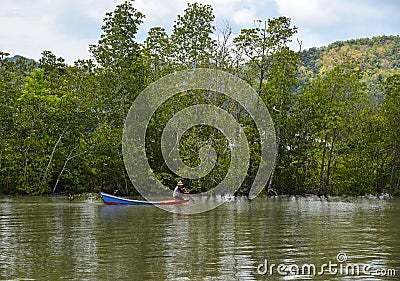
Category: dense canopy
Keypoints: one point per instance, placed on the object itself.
(336, 109)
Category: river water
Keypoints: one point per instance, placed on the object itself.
(282, 238)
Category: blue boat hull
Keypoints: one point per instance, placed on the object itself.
(109, 199)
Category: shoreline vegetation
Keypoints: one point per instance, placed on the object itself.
(95, 196)
(336, 109)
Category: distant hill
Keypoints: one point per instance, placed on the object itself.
(379, 57)
(16, 57)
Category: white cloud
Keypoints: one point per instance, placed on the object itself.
(158, 13)
(307, 40)
(164, 13)
(309, 11)
(326, 12)
(244, 17)
(28, 27)
(321, 22)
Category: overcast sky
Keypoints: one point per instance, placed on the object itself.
(68, 27)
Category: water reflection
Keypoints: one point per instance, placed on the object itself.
(50, 239)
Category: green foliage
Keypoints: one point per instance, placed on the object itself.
(335, 108)
(327, 107)
(191, 39)
(157, 50)
(118, 41)
(257, 46)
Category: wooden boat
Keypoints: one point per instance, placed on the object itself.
(109, 199)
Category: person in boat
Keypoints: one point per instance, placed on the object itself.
(179, 189)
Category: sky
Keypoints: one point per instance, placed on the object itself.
(68, 27)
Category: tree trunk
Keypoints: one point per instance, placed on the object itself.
(270, 189)
(328, 172)
(322, 172)
(52, 154)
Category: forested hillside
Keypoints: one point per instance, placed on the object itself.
(336, 109)
(378, 57)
